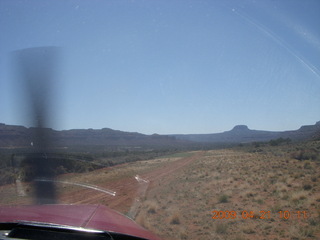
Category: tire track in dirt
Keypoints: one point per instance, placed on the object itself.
(124, 188)
(161, 173)
(152, 178)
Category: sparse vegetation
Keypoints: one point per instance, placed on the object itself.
(221, 228)
(223, 198)
(152, 207)
(279, 141)
(178, 202)
(174, 218)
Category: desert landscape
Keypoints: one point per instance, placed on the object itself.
(195, 119)
(256, 191)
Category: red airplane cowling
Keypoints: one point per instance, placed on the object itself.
(97, 217)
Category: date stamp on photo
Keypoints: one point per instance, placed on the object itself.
(286, 215)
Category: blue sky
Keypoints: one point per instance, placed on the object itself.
(169, 66)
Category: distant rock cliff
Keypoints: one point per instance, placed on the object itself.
(19, 136)
(242, 134)
(304, 132)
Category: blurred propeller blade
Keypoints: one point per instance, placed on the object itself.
(36, 68)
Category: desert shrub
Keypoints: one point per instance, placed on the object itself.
(306, 154)
(6, 177)
(249, 230)
(307, 165)
(307, 187)
(298, 197)
(61, 170)
(221, 228)
(223, 198)
(306, 231)
(152, 207)
(313, 222)
(175, 219)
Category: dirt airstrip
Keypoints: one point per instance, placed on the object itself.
(130, 182)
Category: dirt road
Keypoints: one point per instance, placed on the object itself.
(129, 189)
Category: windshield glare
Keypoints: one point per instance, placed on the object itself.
(195, 119)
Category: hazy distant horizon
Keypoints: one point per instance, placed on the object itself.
(30, 126)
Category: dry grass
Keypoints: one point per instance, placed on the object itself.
(229, 180)
(179, 205)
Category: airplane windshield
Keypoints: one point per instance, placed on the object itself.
(194, 119)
